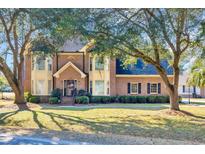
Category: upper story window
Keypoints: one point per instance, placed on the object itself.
(49, 62)
(99, 63)
(40, 63)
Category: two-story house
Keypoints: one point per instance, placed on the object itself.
(77, 68)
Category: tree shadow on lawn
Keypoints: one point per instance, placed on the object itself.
(121, 126)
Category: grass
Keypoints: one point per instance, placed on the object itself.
(146, 120)
(197, 101)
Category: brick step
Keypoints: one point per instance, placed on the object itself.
(67, 100)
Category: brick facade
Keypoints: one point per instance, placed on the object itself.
(122, 84)
(118, 85)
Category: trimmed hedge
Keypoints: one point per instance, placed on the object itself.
(129, 99)
(82, 99)
(54, 100)
(103, 99)
(34, 99)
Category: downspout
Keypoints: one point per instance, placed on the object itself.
(86, 85)
(83, 62)
(56, 57)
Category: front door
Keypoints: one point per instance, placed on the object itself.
(70, 86)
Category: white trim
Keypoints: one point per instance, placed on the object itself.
(131, 88)
(57, 74)
(128, 75)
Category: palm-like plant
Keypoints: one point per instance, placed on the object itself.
(197, 74)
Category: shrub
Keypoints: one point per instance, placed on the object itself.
(151, 99)
(143, 99)
(54, 100)
(129, 99)
(56, 93)
(95, 99)
(27, 96)
(106, 99)
(34, 99)
(157, 99)
(82, 92)
(82, 99)
(113, 99)
(162, 99)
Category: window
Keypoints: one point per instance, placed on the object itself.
(91, 87)
(49, 86)
(153, 88)
(91, 63)
(40, 86)
(40, 63)
(49, 64)
(134, 88)
(99, 63)
(99, 87)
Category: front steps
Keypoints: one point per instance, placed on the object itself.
(67, 100)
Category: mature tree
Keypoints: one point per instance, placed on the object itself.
(149, 34)
(18, 29)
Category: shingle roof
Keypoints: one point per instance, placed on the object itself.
(139, 68)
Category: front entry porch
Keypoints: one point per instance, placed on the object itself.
(70, 79)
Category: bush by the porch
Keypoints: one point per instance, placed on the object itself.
(56, 93)
(82, 99)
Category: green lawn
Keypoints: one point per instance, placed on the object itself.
(197, 101)
(147, 120)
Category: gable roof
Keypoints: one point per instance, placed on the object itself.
(62, 69)
(139, 68)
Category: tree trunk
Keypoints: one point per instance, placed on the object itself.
(19, 97)
(174, 104)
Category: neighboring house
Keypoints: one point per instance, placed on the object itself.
(76, 68)
(185, 90)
